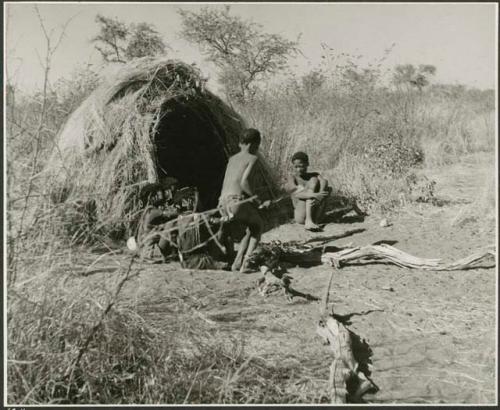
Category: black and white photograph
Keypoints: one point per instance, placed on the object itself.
(250, 203)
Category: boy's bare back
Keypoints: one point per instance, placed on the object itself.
(235, 188)
(237, 165)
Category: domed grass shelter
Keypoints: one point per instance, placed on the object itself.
(152, 119)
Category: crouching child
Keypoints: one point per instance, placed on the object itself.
(309, 191)
(155, 238)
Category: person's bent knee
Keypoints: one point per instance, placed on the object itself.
(255, 231)
(256, 228)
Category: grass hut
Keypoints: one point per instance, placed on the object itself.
(154, 118)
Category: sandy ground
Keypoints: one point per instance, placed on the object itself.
(433, 334)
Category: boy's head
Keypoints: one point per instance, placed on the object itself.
(300, 162)
(251, 138)
(153, 194)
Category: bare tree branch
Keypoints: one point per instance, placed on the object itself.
(38, 134)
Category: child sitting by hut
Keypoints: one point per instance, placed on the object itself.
(153, 233)
(237, 199)
(175, 229)
(309, 191)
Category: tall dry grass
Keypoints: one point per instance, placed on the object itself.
(369, 138)
(482, 210)
(75, 341)
(454, 130)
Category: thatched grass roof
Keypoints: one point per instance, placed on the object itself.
(151, 119)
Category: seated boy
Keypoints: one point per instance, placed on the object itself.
(309, 191)
(235, 189)
(153, 228)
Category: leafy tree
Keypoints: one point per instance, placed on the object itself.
(118, 42)
(111, 39)
(239, 48)
(144, 41)
(415, 77)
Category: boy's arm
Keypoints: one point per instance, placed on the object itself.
(323, 183)
(305, 194)
(157, 217)
(245, 178)
(296, 190)
(290, 185)
(148, 217)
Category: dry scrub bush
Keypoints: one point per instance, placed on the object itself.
(31, 132)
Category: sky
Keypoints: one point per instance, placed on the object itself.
(458, 38)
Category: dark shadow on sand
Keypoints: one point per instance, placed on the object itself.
(479, 267)
(335, 217)
(389, 242)
(362, 353)
(307, 296)
(326, 239)
(346, 319)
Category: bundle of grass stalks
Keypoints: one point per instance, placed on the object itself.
(153, 118)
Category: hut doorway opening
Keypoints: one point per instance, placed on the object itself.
(190, 147)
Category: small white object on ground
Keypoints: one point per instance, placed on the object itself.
(132, 244)
(384, 223)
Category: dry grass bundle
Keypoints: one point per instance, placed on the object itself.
(151, 119)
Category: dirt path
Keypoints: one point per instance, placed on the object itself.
(432, 335)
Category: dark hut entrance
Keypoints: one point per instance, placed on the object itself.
(191, 147)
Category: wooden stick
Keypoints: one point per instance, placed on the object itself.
(387, 253)
(344, 366)
(327, 296)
